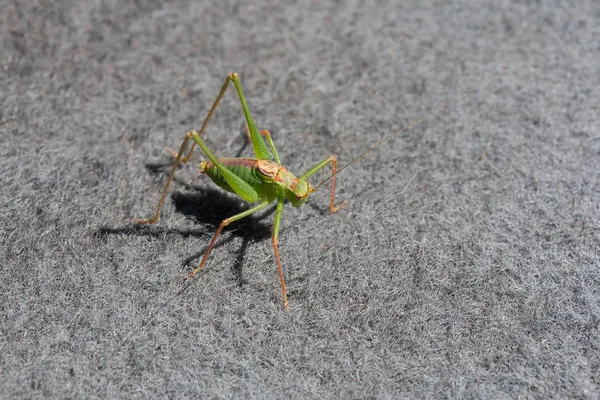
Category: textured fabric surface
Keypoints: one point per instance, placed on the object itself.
(465, 264)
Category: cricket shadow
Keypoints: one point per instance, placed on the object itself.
(209, 207)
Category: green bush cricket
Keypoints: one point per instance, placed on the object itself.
(263, 179)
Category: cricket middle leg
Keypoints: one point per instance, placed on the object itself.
(218, 232)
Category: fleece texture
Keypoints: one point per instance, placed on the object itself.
(465, 264)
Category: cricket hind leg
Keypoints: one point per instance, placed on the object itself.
(260, 148)
(210, 114)
(218, 232)
(241, 188)
(333, 161)
(178, 158)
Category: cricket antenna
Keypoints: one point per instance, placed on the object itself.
(416, 121)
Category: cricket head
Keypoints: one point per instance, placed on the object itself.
(298, 193)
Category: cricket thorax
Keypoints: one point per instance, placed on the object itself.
(268, 168)
(294, 189)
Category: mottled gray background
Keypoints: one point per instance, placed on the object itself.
(464, 266)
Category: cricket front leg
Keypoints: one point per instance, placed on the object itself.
(276, 225)
(178, 157)
(331, 159)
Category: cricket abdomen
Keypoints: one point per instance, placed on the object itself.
(245, 168)
(268, 179)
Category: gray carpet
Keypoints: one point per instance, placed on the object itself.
(465, 264)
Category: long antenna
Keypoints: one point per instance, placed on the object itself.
(416, 121)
